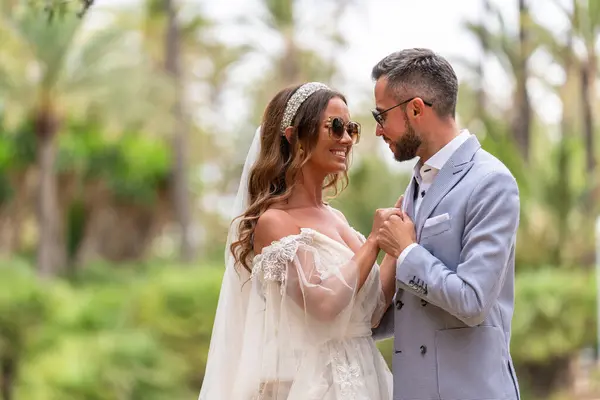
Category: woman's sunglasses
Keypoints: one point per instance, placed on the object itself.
(337, 127)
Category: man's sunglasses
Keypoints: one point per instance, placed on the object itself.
(378, 115)
(337, 127)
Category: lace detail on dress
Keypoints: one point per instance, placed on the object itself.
(270, 265)
(348, 376)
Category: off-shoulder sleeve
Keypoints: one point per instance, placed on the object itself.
(312, 284)
(302, 297)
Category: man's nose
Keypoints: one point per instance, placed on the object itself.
(378, 130)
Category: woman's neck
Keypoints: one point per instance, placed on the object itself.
(308, 192)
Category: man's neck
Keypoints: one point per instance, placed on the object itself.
(443, 135)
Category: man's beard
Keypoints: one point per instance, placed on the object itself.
(406, 147)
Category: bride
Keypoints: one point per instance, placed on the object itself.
(302, 289)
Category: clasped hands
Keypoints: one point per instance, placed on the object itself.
(393, 230)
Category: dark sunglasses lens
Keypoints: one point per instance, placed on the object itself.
(377, 117)
(337, 128)
(353, 130)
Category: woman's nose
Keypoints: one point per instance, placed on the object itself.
(346, 139)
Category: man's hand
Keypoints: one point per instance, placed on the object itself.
(396, 234)
(382, 215)
(399, 202)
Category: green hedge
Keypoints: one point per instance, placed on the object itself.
(142, 332)
(130, 336)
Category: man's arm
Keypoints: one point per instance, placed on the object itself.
(491, 224)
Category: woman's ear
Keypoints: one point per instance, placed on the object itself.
(288, 133)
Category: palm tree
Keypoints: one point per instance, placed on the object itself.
(65, 70)
(579, 49)
(513, 53)
(181, 198)
(177, 40)
(585, 25)
(578, 97)
(521, 124)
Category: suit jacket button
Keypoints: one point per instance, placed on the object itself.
(399, 304)
(423, 303)
(423, 350)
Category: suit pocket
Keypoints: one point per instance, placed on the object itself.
(436, 229)
(471, 365)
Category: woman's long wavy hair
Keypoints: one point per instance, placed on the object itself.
(278, 166)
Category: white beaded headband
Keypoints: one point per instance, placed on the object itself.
(294, 103)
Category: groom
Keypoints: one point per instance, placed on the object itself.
(454, 243)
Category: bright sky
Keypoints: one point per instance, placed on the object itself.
(379, 27)
(375, 28)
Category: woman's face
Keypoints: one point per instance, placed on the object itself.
(331, 152)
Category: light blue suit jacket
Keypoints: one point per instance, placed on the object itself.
(451, 317)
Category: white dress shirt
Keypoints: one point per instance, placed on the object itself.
(425, 173)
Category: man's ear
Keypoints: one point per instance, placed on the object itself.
(417, 107)
(288, 133)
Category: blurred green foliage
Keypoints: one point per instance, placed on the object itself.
(555, 314)
(143, 331)
(134, 333)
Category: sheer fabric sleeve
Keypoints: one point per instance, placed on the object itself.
(374, 303)
(301, 299)
(312, 285)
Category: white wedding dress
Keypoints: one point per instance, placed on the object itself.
(314, 340)
(296, 328)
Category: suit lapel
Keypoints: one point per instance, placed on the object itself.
(452, 172)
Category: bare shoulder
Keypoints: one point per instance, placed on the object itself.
(274, 224)
(339, 214)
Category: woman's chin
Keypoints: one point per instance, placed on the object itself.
(331, 168)
(339, 168)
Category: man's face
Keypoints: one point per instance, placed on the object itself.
(394, 125)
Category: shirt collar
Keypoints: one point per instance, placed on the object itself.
(430, 168)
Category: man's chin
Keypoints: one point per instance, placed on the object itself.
(402, 153)
(402, 157)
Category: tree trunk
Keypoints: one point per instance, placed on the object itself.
(522, 121)
(19, 208)
(545, 378)
(485, 48)
(290, 68)
(180, 194)
(120, 232)
(563, 182)
(588, 76)
(8, 369)
(50, 255)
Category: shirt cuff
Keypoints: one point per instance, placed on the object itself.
(405, 252)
